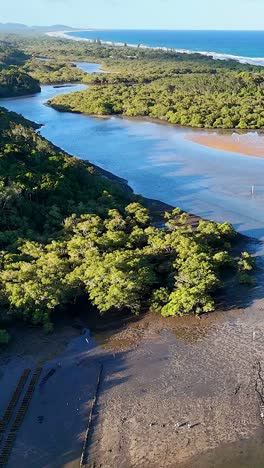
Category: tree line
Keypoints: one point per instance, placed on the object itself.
(67, 232)
(184, 89)
(198, 99)
(14, 81)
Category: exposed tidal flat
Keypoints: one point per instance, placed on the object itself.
(247, 143)
(174, 392)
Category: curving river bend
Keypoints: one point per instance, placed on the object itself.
(157, 160)
(198, 371)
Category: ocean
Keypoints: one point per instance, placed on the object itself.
(245, 46)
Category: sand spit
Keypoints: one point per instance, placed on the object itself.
(249, 144)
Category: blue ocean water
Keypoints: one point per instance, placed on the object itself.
(240, 44)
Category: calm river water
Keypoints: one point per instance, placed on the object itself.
(157, 160)
(205, 369)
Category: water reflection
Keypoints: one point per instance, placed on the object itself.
(157, 160)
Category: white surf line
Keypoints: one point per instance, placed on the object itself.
(215, 55)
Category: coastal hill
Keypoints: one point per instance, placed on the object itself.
(19, 27)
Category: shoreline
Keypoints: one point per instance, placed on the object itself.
(231, 142)
(160, 376)
(207, 140)
(155, 206)
(199, 139)
(209, 134)
(192, 366)
(257, 61)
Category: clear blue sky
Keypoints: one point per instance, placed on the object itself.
(137, 14)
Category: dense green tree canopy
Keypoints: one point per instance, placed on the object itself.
(14, 82)
(66, 231)
(11, 55)
(53, 71)
(234, 100)
(185, 89)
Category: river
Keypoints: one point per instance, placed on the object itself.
(157, 160)
(178, 370)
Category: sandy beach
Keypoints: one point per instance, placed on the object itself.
(249, 144)
(215, 55)
(65, 35)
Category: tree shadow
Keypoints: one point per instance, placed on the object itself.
(53, 431)
(102, 326)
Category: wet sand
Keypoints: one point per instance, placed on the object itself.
(249, 144)
(201, 375)
(53, 431)
(176, 392)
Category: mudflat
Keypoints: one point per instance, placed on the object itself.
(177, 392)
(185, 397)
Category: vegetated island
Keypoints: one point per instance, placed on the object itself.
(67, 232)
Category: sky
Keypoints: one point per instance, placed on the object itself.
(137, 14)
